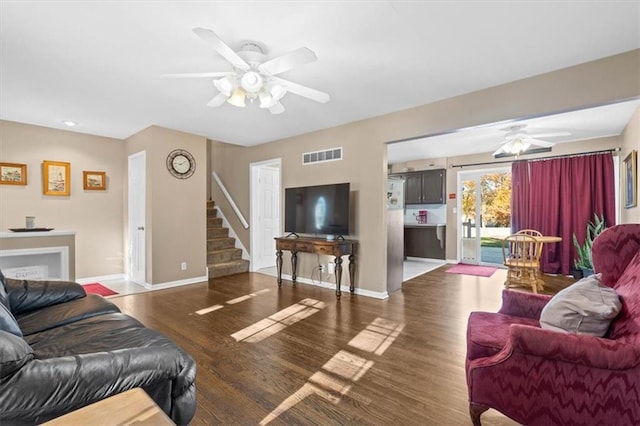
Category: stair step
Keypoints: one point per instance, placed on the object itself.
(217, 233)
(212, 212)
(222, 256)
(228, 268)
(210, 204)
(214, 222)
(220, 243)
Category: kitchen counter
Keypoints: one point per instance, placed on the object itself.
(423, 225)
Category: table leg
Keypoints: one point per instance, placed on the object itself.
(338, 276)
(352, 272)
(279, 266)
(294, 266)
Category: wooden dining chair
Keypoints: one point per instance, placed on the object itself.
(531, 232)
(521, 255)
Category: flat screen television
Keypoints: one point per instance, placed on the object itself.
(321, 209)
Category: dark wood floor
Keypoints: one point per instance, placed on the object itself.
(320, 361)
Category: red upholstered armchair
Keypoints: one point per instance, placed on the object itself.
(542, 377)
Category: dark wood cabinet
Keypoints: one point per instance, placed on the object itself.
(425, 187)
(425, 241)
(413, 188)
(433, 186)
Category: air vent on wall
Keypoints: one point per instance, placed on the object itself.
(332, 154)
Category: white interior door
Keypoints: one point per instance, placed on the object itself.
(265, 220)
(137, 219)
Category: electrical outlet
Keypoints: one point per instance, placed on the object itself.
(321, 267)
(331, 268)
(183, 266)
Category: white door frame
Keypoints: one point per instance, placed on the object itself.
(469, 175)
(136, 225)
(255, 235)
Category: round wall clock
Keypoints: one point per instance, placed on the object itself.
(181, 163)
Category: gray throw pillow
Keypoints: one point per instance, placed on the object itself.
(585, 307)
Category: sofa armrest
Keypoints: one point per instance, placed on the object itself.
(586, 350)
(82, 379)
(14, 353)
(526, 305)
(27, 295)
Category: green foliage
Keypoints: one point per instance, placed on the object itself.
(583, 251)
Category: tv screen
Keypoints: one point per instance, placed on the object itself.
(322, 209)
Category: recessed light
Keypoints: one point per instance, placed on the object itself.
(69, 123)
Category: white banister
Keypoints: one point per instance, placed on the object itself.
(230, 200)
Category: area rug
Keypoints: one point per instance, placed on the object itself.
(97, 288)
(478, 271)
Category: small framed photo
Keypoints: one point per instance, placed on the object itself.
(630, 170)
(13, 174)
(94, 181)
(56, 178)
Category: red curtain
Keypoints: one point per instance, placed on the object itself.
(558, 197)
(519, 196)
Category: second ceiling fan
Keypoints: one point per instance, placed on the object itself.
(517, 140)
(253, 77)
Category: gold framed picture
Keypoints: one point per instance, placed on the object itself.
(56, 178)
(13, 174)
(630, 170)
(94, 181)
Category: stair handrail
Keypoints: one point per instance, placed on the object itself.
(230, 200)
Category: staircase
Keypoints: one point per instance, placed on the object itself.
(223, 258)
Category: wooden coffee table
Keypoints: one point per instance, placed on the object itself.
(127, 408)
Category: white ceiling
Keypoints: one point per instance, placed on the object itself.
(99, 63)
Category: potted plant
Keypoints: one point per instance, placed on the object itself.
(583, 264)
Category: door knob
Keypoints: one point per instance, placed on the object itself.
(140, 228)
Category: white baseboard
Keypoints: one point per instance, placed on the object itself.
(178, 283)
(343, 288)
(101, 278)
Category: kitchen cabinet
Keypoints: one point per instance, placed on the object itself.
(425, 241)
(425, 187)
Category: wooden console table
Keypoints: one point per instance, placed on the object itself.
(337, 248)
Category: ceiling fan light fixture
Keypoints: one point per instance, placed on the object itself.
(225, 85)
(251, 82)
(266, 100)
(237, 98)
(277, 92)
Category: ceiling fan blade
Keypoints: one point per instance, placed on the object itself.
(287, 61)
(298, 89)
(499, 151)
(277, 109)
(218, 100)
(196, 75)
(549, 135)
(539, 142)
(222, 48)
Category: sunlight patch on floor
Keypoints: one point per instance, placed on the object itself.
(232, 302)
(377, 337)
(277, 322)
(338, 375)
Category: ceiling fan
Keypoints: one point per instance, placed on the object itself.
(517, 140)
(253, 77)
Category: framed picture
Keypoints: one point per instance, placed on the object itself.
(630, 170)
(56, 178)
(94, 181)
(13, 174)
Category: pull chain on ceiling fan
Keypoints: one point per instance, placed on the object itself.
(252, 77)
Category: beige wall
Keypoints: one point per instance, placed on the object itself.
(175, 208)
(365, 167)
(630, 141)
(96, 216)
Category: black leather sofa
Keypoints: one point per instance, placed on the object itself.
(62, 349)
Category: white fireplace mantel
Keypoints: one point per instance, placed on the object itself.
(38, 255)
